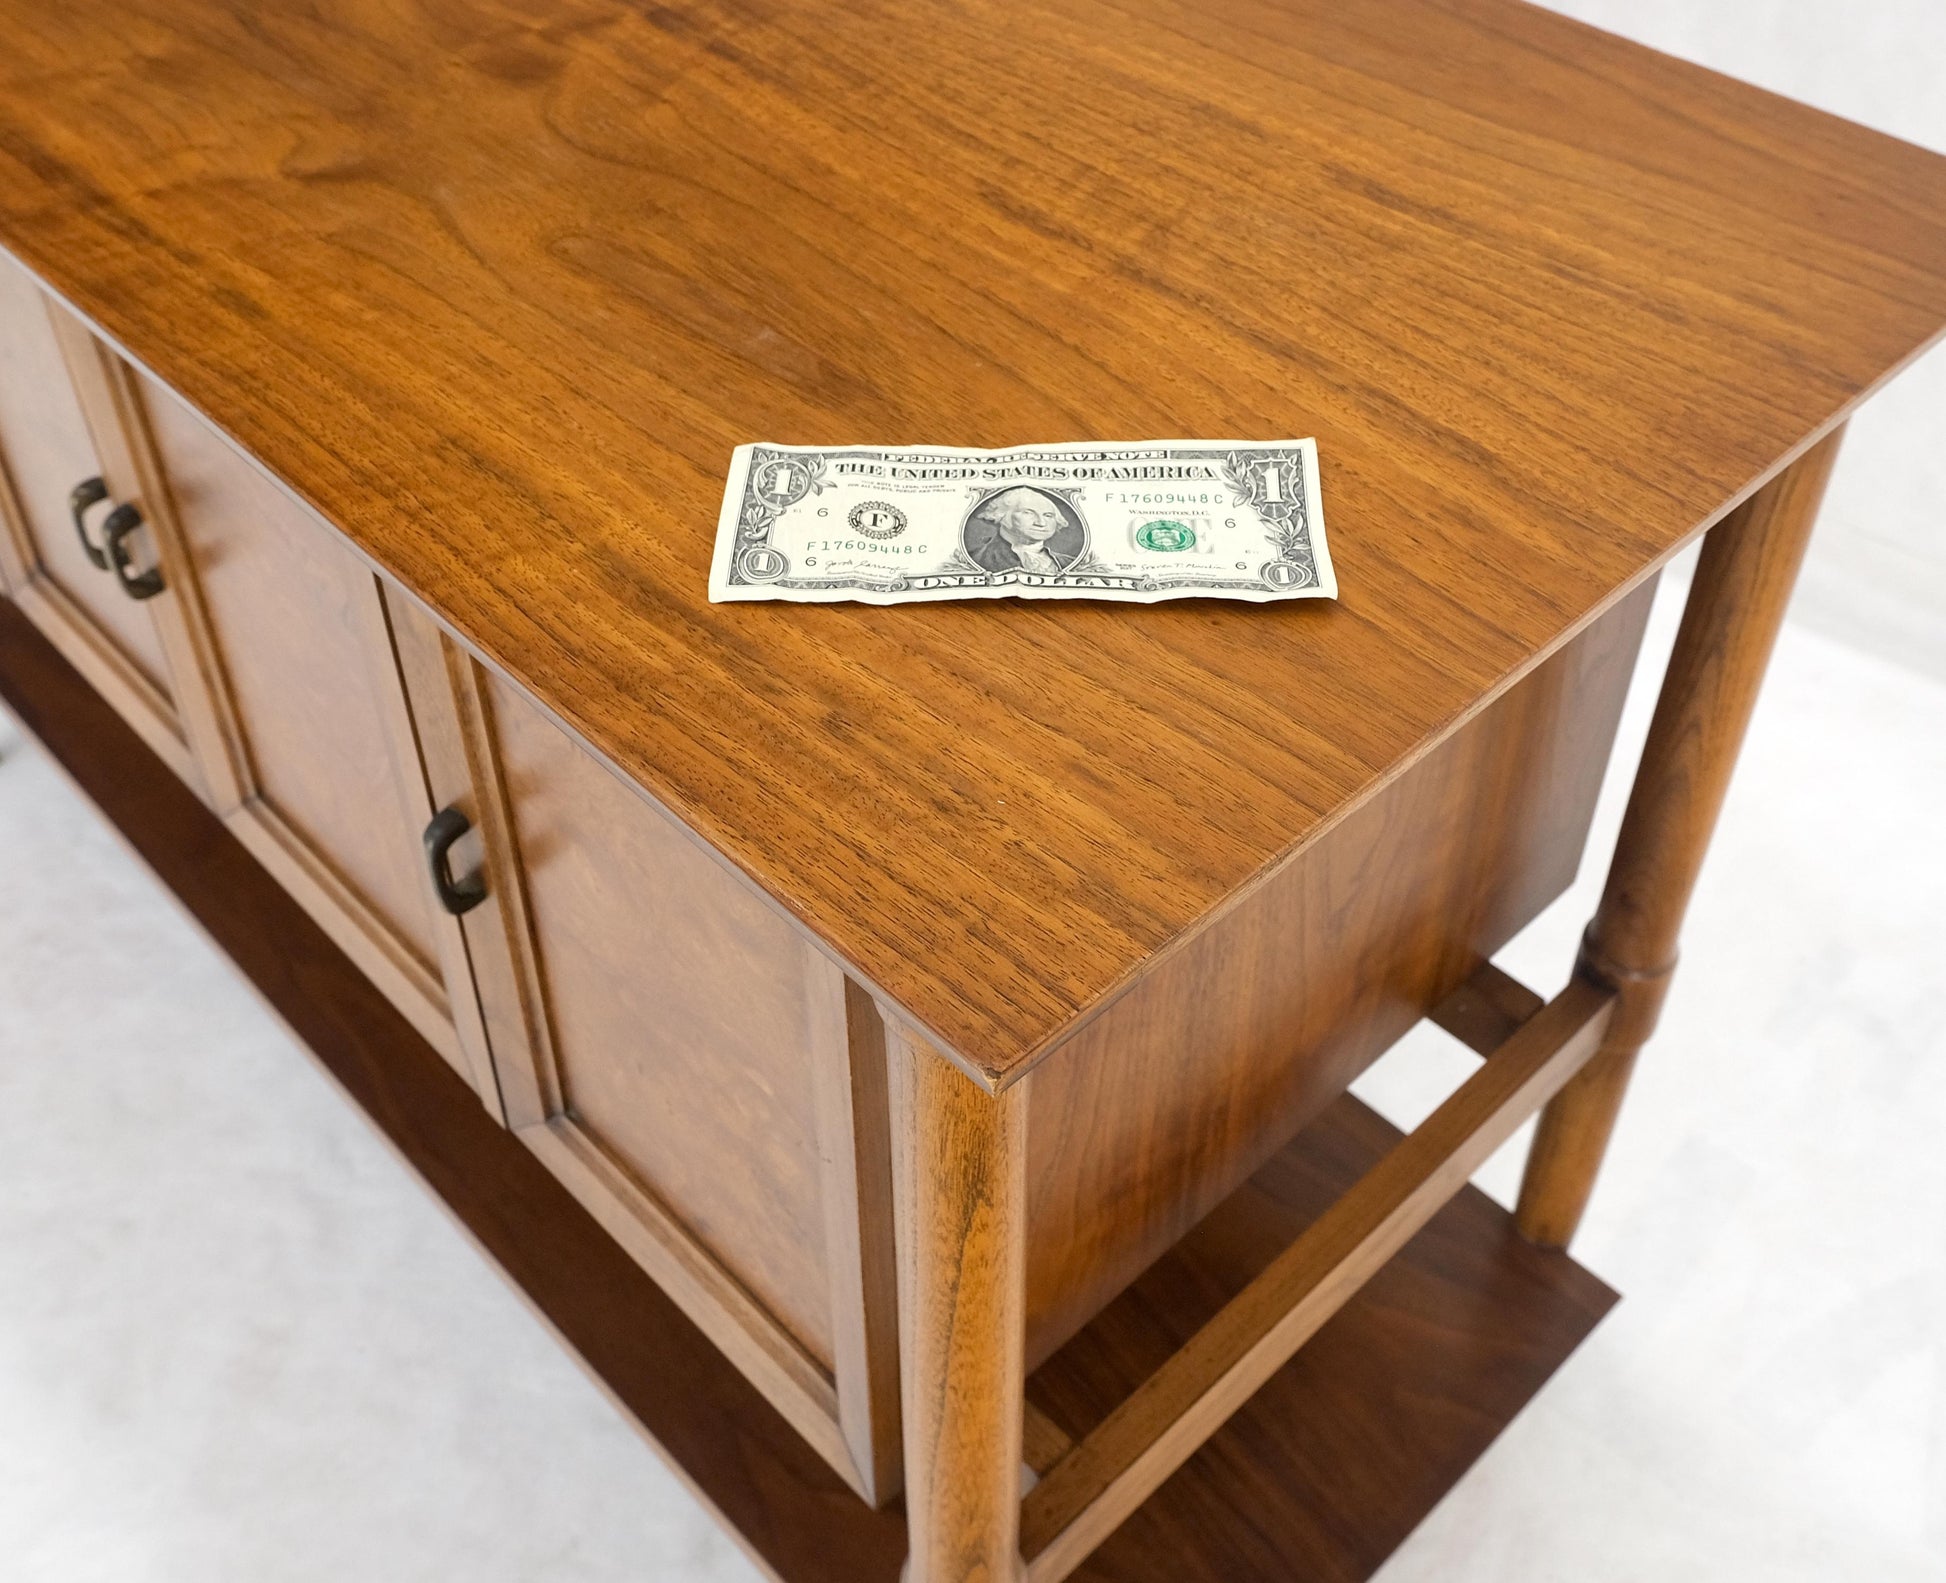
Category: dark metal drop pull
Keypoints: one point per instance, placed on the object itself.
(116, 527)
(89, 492)
(456, 896)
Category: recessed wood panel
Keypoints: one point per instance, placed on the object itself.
(301, 642)
(1180, 1089)
(47, 449)
(679, 1015)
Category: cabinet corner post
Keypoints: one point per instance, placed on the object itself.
(960, 1184)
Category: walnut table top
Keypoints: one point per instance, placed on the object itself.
(496, 285)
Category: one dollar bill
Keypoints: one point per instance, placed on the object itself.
(1139, 522)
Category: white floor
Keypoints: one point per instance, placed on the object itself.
(238, 1344)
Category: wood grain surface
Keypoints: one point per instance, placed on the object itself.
(295, 627)
(1160, 1107)
(679, 1017)
(1325, 1471)
(495, 285)
(959, 1173)
(1089, 1493)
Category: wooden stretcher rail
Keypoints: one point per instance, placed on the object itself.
(1487, 1010)
(1094, 1486)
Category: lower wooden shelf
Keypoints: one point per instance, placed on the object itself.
(1319, 1477)
(1325, 1470)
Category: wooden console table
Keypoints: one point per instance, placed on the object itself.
(904, 1051)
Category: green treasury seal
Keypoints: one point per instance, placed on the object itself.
(1163, 534)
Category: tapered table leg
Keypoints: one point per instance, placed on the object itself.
(1736, 604)
(960, 1205)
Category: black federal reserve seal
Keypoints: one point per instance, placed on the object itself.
(877, 519)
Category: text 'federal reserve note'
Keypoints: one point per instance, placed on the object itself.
(1139, 522)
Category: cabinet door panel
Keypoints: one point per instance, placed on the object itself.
(666, 1041)
(678, 1015)
(307, 763)
(47, 446)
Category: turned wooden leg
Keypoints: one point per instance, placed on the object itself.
(960, 1185)
(1743, 582)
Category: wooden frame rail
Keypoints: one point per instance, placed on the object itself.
(1091, 1488)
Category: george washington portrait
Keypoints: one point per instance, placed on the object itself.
(1024, 529)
